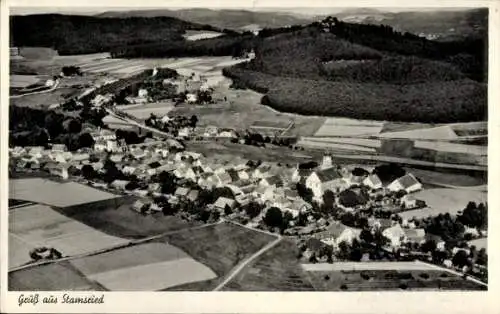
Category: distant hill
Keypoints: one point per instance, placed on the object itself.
(442, 25)
(229, 19)
(73, 34)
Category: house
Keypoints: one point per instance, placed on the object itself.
(100, 145)
(112, 146)
(328, 179)
(301, 174)
(373, 182)
(119, 184)
(274, 181)
(59, 170)
(415, 235)
(409, 202)
(193, 195)
(181, 192)
(227, 134)
(261, 171)
(337, 233)
(59, 148)
(154, 187)
(80, 157)
(244, 174)
(116, 158)
(155, 207)
(99, 165)
(191, 98)
(222, 202)
(140, 192)
(396, 235)
(129, 170)
(233, 174)
(140, 206)
(184, 132)
(210, 131)
(406, 183)
(313, 246)
(472, 231)
(206, 180)
(36, 151)
(222, 178)
(142, 93)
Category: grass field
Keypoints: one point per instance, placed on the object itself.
(349, 127)
(442, 200)
(45, 99)
(153, 266)
(22, 81)
(480, 243)
(220, 247)
(457, 179)
(39, 225)
(51, 277)
(276, 270)
(53, 193)
(143, 112)
(124, 222)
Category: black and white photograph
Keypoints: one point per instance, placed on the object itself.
(332, 149)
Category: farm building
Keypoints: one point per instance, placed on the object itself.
(222, 202)
(337, 233)
(319, 181)
(396, 235)
(406, 183)
(373, 181)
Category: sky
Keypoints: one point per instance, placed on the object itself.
(296, 10)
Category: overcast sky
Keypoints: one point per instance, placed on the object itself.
(306, 11)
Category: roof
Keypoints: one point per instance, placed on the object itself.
(332, 231)
(233, 174)
(329, 174)
(274, 180)
(222, 202)
(374, 180)
(408, 180)
(314, 244)
(291, 193)
(193, 195)
(395, 230)
(264, 167)
(154, 164)
(182, 191)
(224, 177)
(415, 233)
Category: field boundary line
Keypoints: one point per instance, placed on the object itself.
(236, 270)
(253, 229)
(109, 249)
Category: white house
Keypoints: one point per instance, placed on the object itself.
(396, 235)
(142, 93)
(191, 98)
(59, 170)
(407, 183)
(373, 182)
(337, 233)
(409, 201)
(319, 181)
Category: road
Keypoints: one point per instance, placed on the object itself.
(244, 263)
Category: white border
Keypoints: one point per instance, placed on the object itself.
(278, 302)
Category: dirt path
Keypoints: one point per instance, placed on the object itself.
(53, 88)
(244, 263)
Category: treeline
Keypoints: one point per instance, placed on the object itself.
(35, 127)
(433, 102)
(71, 34)
(227, 45)
(385, 38)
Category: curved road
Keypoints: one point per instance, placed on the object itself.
(53, 88)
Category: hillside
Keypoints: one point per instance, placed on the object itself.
(354, 71)
(71, 34)
(224, 19)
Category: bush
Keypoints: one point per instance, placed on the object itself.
(343, 287)
(403, 286)
(424, 275)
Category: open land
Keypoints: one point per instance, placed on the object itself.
(39, 225)
(220, 247)
(56, 194)
(442, 200)
(142, 112)
(153, 266)
(481, 243)
(197, 35)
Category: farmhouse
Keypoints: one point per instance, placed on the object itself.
(373, 181)
(274, 181)
(181, 192)
(222, 202)
(395, 234)
(407, 183)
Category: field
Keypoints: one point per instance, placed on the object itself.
(455, 179)
(153, 266)
(480, 243)
(442, 200)
(51, 277)
(22, 81)
(374, 276)
(124, 222)
(353, 145)
(276, 270)
(220, 247)
(143, 112)
(39, 225)
(349, 127)
(45, 99)
(197, 35)
(53, 193)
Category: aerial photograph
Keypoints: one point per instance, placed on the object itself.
(257, 149)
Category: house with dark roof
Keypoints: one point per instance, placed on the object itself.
(322, 180)
(222, 202)
(406, 183)
(274, 181)
(301, 174)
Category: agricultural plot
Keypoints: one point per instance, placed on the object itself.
(444, 132)
(143, 112)
(22, 81)
(145, 267)
(43, 191)
(340, 144)
(389, 279)
(50, 277)
(39, 225)
(455, 179)
(453, 148)
(124, 222)
(220, 247)
(197, 35)
(349, 127)
(276, 270)
(442, 200)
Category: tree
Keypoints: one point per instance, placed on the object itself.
(74, 126)
(344, 251)
(366, 236)
(356, 251)
(329, 199)
(460, 259)
(85, 140)
(193, 121)
(482, 257)
(379, 239)
(429, 246)
(88, 172)
(253, 209)
(227, 210)
(274, 217)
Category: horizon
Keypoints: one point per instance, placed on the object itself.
(304, 11)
